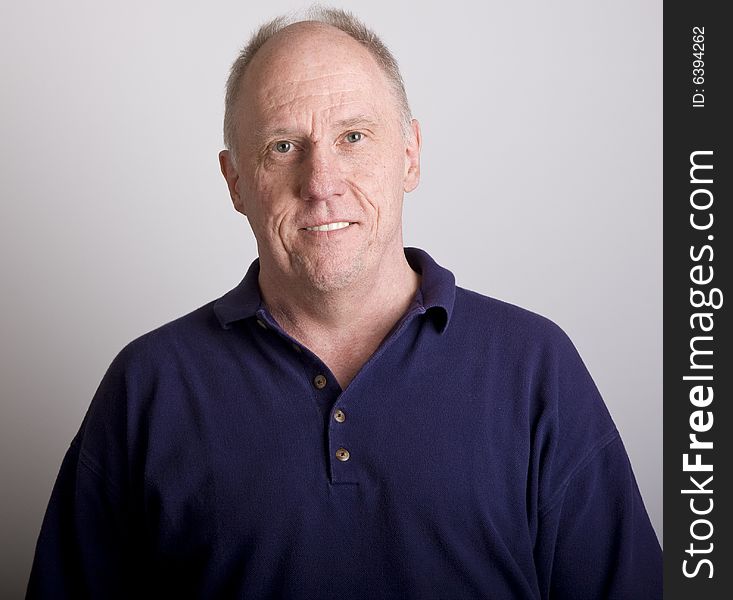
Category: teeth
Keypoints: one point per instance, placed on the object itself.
(329, 226)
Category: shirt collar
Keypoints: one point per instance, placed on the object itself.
(437, 292)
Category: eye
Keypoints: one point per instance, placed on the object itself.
(282, 147)
(354, 136)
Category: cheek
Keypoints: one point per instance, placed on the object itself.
(388, 176)
(262, 195)
(271, 202)
(376, 177)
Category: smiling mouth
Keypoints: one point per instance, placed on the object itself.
(329, 226)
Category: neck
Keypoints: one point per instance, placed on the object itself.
(379, 294)
(343, 326)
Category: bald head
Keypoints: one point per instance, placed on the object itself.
(302, 50)
(285, 39)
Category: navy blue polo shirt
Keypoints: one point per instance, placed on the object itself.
(471, 457)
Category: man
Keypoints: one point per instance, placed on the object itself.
(345, 423)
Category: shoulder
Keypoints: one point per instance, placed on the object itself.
(156, 366)
(171, 345)
(513, 327)
(532, 352)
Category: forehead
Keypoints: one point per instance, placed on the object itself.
(317, 69)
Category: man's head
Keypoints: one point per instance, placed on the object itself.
(318, 132)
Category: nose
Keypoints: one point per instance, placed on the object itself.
(321, 176)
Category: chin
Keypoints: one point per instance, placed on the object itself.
(329, 275)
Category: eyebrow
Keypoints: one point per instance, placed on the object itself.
(349, 123)
(361, 120)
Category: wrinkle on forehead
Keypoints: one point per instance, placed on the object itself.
(305, 79)
(316, 100)
(281, 107)
(301, 80)
(291, 98)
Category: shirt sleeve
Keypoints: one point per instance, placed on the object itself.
(86, 548)
(595, 540)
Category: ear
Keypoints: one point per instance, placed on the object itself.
(229, 170)
(412, 157)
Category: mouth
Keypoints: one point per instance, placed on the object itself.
(329, 226)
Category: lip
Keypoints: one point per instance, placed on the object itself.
(321, 223)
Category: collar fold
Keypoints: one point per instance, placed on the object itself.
(437, 289)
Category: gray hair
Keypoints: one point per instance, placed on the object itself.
(340, 19)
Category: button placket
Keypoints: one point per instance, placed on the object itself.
(345, 463)
(342, 465)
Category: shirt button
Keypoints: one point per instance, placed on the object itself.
(342, 454)
(261, 324)
(339, 416)
(319, 381)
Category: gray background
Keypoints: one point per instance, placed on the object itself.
(541, 186)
